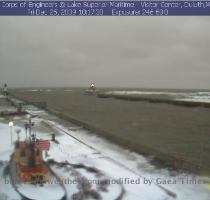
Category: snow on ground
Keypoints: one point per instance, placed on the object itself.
(121, 166)
(7, 109)
(2, 96)
(69, 180)
(33, 110)
(51, 191)
(119, 163)
(75, 152)
(73, 177)
(7, 192)
(140, 165)
(5, 145)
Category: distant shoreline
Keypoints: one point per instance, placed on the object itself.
(117, 88)
(155, 99)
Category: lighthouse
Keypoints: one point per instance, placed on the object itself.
(92, 87)
(5, 91)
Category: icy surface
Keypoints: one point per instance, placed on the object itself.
(7, 192)
(51, 191)
(180, 96)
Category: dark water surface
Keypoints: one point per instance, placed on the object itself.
(178, 136)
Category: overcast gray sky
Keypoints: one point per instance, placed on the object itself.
(166, 52)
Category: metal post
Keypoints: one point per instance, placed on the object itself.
(28, 126)
(11, 124)
(11, 134)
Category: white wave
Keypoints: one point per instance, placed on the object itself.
(195, 100)
(33, 90)
(141, 92)
(67, 90)
(180, 96)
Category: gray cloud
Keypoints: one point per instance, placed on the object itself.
(111, 51)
